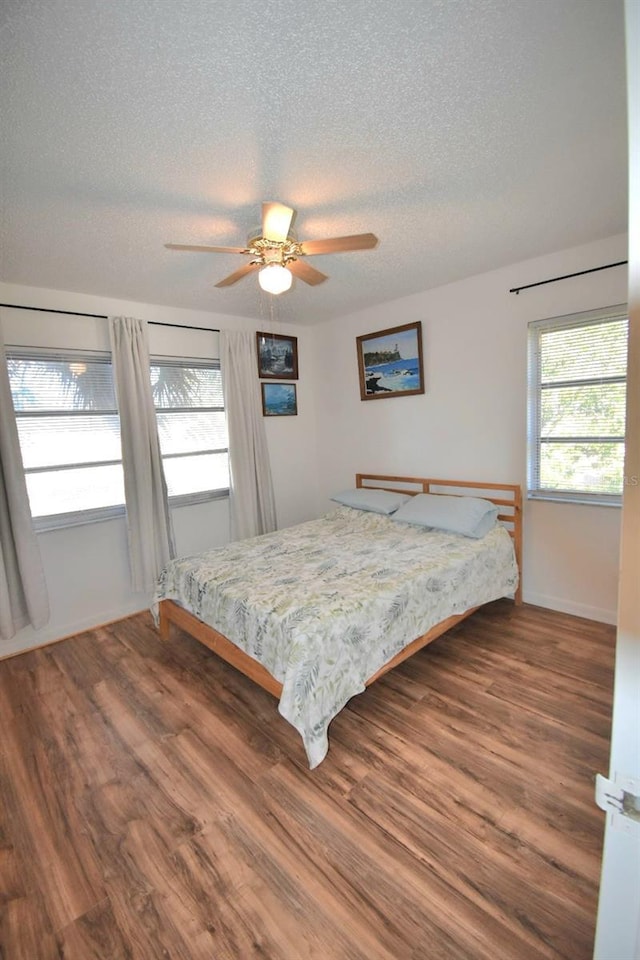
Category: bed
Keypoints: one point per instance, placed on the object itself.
(316, 612)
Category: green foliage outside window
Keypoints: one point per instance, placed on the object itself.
(577, 396)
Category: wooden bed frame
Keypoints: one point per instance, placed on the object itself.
(508, 497)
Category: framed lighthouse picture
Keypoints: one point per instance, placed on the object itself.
(390, 362)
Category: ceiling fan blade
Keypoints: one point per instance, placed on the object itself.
(239, 274)
(304, 272)
(276, 220)
(200, 249)
(359, 241)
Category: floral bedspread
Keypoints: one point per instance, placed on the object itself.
(324, 604)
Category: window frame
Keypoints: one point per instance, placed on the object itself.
(535, 390)
(201, 496)
(72, 518)
(75, 518)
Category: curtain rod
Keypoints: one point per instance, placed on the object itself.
(566, 276)
(103, 316)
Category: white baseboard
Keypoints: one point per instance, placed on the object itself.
(28, 639)
(600, 614)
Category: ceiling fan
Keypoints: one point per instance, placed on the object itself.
(276, 253)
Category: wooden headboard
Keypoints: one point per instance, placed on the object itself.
(507, 496)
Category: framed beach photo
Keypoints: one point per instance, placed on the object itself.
(279, 400)
(277, 356)
(390, 362)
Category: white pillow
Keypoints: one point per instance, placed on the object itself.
(377, 501)
(470, 516)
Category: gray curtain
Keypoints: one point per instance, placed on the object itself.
(252, 503)
(23, 590)
(149, 529)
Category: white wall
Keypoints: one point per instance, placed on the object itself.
(86, 566)
(471, 422)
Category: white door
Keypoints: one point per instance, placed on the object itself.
(618, 928)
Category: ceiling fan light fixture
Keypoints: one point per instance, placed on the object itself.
(274, 278)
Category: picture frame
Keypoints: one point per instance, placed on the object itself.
(279, 400)
(390, 362)
(277, 356)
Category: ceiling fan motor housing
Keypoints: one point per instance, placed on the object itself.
(272, 251)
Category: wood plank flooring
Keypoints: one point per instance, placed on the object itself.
(155, 805)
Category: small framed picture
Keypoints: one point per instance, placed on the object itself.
(279, 400)
(277, 356)
(390, 362)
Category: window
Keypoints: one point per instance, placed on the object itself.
(69, 432)
(192, 427)
(577, 385)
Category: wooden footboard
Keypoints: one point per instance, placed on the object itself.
(421, 642)
(171, 612)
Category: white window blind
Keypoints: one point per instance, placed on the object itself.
(577, 387)
(192, 426)
(69, 432)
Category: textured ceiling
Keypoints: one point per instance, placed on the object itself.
(466, 134)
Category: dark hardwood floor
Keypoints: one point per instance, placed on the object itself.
(155, 804)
